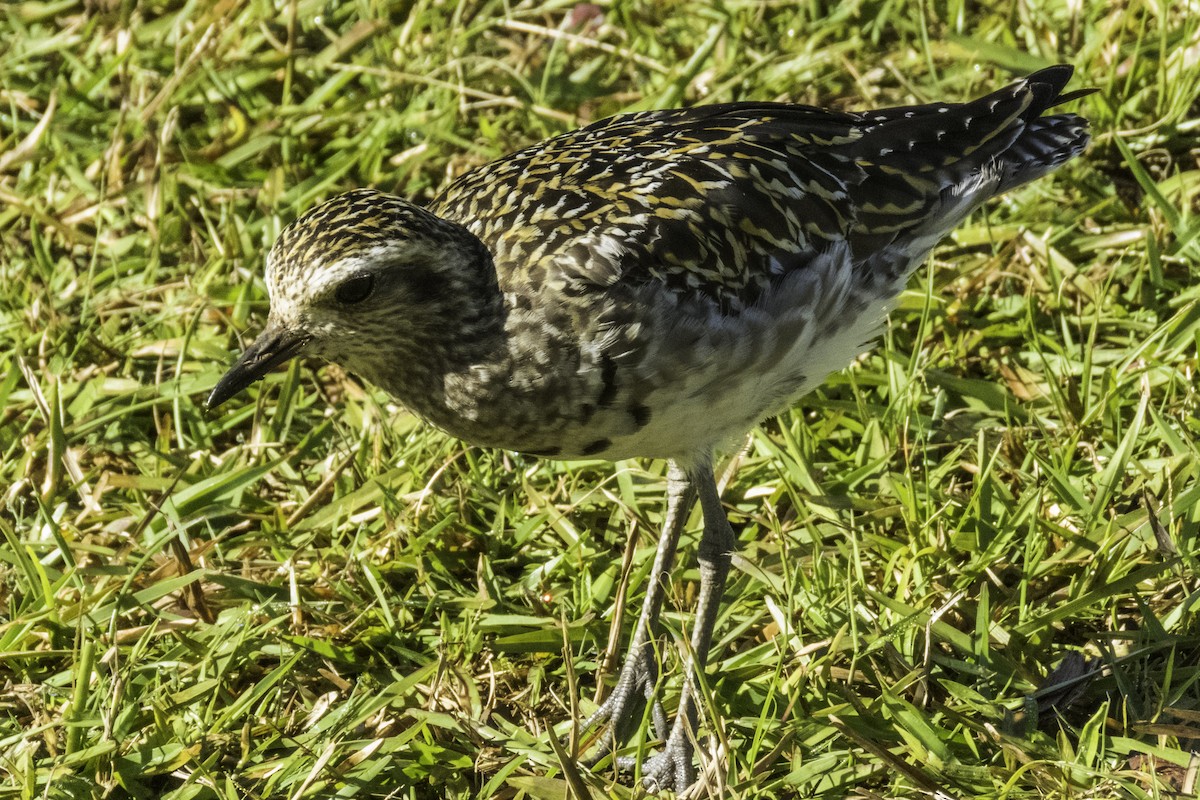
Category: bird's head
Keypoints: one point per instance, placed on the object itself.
(362, 280)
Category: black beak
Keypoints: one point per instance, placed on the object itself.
(273, 347)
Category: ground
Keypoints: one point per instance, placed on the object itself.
(967, 564)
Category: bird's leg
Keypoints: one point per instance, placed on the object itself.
(621, 713)
(672, 767)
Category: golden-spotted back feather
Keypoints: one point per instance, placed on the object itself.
(721, 200)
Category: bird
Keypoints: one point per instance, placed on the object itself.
(651, 285)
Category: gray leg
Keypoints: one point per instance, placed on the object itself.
(621, 714)
(672, 767)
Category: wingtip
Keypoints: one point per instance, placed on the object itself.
(1048, 84)
(1057, 76)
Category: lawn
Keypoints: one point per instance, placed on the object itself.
(967, 564)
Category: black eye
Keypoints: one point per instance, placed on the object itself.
(354, 290)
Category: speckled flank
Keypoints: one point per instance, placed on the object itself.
(656, 283)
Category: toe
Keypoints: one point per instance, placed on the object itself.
(671, 769)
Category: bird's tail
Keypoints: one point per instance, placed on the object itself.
(1046, 142)
(988, 145)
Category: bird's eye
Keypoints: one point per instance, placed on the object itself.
(354, 290)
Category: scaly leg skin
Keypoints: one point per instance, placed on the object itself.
(621, 714)
(672, 767)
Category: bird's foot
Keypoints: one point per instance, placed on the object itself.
(671, 768)
(621, 714)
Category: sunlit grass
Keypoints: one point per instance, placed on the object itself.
(967, 564)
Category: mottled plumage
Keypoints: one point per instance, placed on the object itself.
(650, 285)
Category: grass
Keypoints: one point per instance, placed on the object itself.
(968, 563)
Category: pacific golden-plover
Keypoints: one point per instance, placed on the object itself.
(651, 285)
